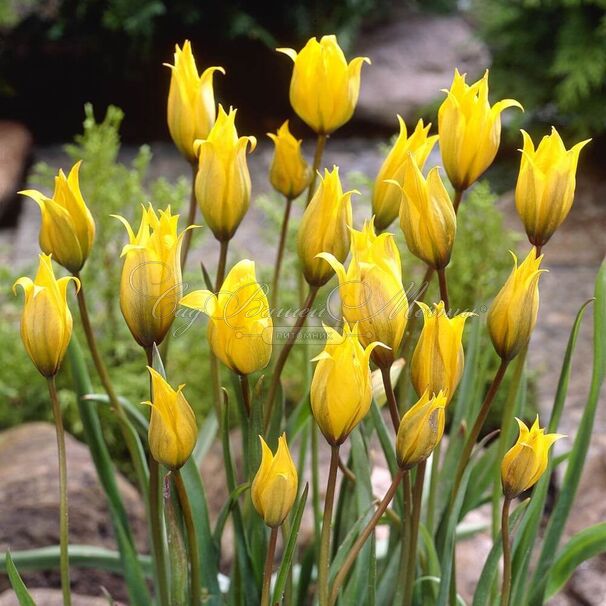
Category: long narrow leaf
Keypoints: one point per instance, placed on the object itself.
(23, 596)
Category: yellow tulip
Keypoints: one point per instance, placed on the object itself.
(191, 101)
(274, 487)
(223, 182)
(289, 173)
(427, 216)
(341, 387)
(324, 89)
(151, 285)
(46, 322)
(437, 362)
(325, 228)
(420, 430)
(546, 184)
(240, 326)
(385, 197)
(371, 291)
(172, 430)
(469, 129)
(513, 313)
(67, 230)
(526, 462)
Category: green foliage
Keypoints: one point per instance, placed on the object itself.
(552, 56)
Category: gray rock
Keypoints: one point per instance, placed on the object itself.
(15, 150)
(51, 597)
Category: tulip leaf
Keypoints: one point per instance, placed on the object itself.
(23, 595)
(206, 437)
(225, 511)
(291, 545)
(298, 418)
(385, 439)
(584, 545)
(576, 460)
(136, 417)
(93, 434)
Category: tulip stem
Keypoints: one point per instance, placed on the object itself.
(192, 541)
(281, 362)
(479, 423)
(443, 289)
(320, 145)
(363, 537)
(245, 393)
(279, 256)
(269, 564)
(391, 397)
(224, 245)
(458, 197)
(191, 218)
(128, 432)
(324, 559)
(63, 509)
(506, 587)
(157, 532)
(539, 250)
(411, 564)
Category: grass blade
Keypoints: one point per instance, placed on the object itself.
(25, 599)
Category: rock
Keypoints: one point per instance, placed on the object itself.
(413, 57)
(29, 505)
(15, 151)
(51, 597)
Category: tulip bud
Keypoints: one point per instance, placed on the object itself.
(437, 362)
(427, 216)
(240, 326)
(385, 197)
(546, 183)
(525, 463)
(151, 287)
(274, 487)
(513, 313)
(67, 230)
(191, 101)
(325, 228)
(172, 430)
(289, 173)
(223, 182)
(420, 430)
(371, 291)
(341, 387)
(324, 89)
(469, 129)
(46, 322)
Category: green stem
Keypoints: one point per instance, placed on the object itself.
(192, 541)
(433, 487)
(128, 432)
(458, 197)
(63, 509)
(281, 362)
(472, 438)
(191, 218)
(221, 265)
(391, 398)
(320, 145)
(363, 537)
(278, 265)
(506, 587)
(411, 564)
(324, 561)
(245, 393)
(405, 538)
(269, 564)
(443, 289)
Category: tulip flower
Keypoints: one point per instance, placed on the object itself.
(469, 130)
(274, 487)
(324, 89)
(151, 287)
(437, 362)
(172, 430)
(46, 322)
(427, 216)
(420, 430)
(289, 173)
(324, 228)
(341, 387)
(513, 313)
(67, 230)
(525, 463)
(385, 197)
(222, 184)
(371, 291)
(240, 326)
(546, 184)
